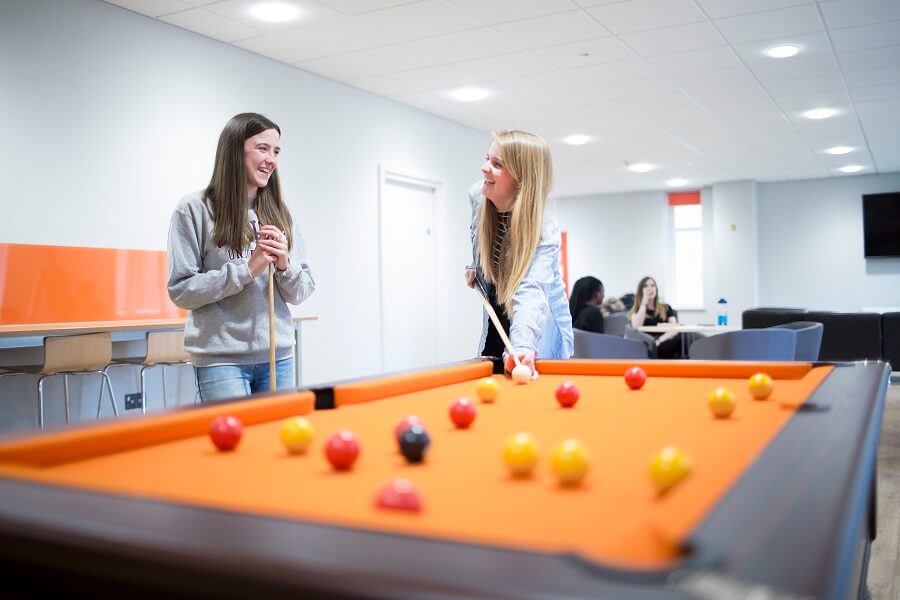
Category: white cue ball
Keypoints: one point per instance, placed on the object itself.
(521, 374)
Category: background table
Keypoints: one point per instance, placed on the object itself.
(32, 334)
(783, 499)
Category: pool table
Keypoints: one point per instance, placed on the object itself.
(780, 497)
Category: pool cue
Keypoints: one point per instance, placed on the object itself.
(496, 320)
(273, 383)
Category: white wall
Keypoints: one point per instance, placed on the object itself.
(794, 243)
(811, 245)
(617, 238)
(733, 252)
(112, 116)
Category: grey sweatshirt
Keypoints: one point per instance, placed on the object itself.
(228, 318)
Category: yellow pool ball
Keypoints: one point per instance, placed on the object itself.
(721, 402)
(668, 467)
(296, 435)
(521, 453)
(570, 461)
(760, 386)
(487, 390)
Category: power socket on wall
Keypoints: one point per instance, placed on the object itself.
(133, 401)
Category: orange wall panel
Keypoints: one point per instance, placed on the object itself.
(60, 284)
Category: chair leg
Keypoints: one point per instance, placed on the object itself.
(163, 367)
(112, 396)
(41, 401)
(66, 395)
(144, 389)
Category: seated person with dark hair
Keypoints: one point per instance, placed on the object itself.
(584, 304)
(648, 309)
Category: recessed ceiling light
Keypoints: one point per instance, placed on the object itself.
(851, 169)
(839, 150)
(274, 12)
(784, 51)
(677, 182)
(641, 167)
(820, 113)
(470, 94)
(577, 139)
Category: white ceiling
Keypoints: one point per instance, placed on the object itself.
(682, 84)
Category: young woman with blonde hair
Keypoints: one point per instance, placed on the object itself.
(515, 247)
(222, 240)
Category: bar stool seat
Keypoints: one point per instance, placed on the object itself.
(164, 348)
(83, 354)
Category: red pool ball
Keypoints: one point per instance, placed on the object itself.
(635, 377)
(342, 450)
(406, 423)
(225, 432)
(462, 413)
(567, 394)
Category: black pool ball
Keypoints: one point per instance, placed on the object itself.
(413, 443)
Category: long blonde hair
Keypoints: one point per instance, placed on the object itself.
(527, 158)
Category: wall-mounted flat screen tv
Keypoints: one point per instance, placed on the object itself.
(881, 224)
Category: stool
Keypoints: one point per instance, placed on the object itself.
(163, 348)
(65, 355)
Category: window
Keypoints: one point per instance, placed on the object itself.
(687, 256)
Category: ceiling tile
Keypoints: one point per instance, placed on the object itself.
(733, 94)
(275, 46)
(419, 20)
(681, 38)
(873, 76)
(211, 25)
(642, 15)
(696, 60)
(391, 59)
(720, 78)
(622, 71)
(334, 67)
(850, 13)
(550, 30)
(801, 102)
(383, 85)
(444, 77)
(811, 44)
(804, 85)
(796, 67)
(771, 24)
(556, 80)
(153, 8)
(587, 52)
(465, 45)
(355, 7)
(870, 58)
(876, 92)
(500, 11)
(716, 9)
(508, 65)
(337, 36)
(866, 36)
(650, 89)
(239, 10)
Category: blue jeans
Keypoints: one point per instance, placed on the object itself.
(234, 381)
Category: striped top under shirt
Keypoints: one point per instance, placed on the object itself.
(503, 219)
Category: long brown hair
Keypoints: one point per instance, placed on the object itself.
(227, 189)
(527, 157)
(662, 309)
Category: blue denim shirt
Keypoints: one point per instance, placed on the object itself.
(541, 321)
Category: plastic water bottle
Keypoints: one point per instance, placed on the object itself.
(723, 312)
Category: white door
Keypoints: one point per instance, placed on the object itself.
(408, 281)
